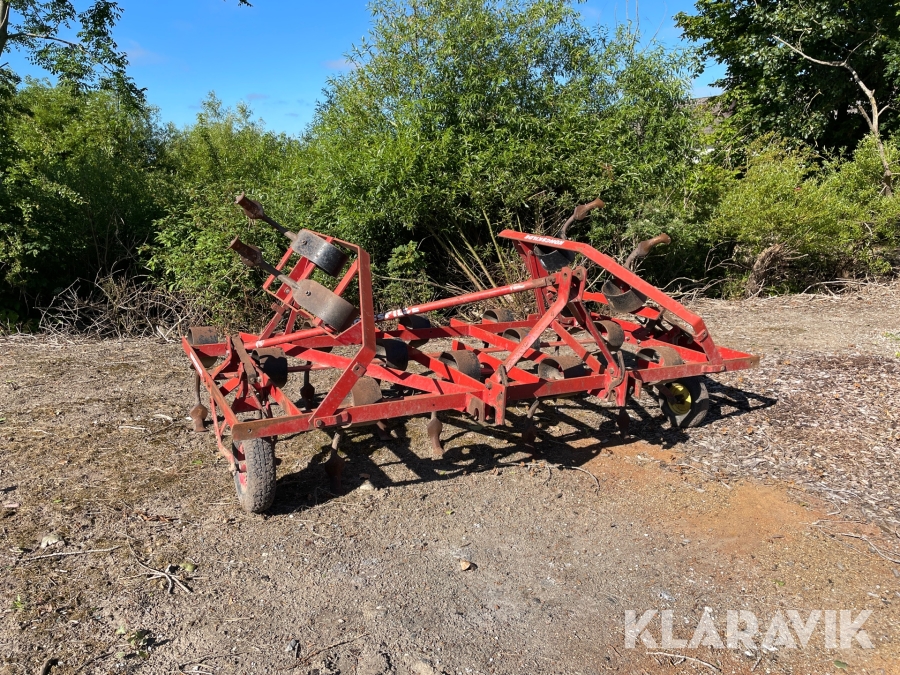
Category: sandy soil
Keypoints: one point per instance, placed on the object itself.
(785, 500)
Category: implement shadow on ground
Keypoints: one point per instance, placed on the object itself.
(562, 439)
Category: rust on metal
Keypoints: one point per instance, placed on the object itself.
(628, 337)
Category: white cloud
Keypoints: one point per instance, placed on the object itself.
(340, 64)
(139, 56)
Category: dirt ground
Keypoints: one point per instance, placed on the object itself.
(786, 499)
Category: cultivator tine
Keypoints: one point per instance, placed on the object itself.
(624, 299)
(384, 434)
(376, 369)
(553, 259)
(307, 391)
(642, 249)
(312, 296)
(198, 413)
(434, 428)
(255, 211)
(334, 467)
(530, 434)
(623, 421)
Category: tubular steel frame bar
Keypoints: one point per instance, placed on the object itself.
(560, 297)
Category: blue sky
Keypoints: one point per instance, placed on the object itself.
(278, 54)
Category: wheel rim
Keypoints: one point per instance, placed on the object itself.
(240, 477)
(681, 402)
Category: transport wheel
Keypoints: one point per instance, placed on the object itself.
(689, 403)
(255, 485)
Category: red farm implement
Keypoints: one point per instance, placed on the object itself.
(609, 344)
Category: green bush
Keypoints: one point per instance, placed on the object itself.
(459, 119)
(464, 114)
(222, 155)
(794, 220)
(78, 189)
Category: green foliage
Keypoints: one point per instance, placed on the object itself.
(462, 113)
(458, 114)
(77, 187)
(774, 89)
(814, 221)
(92, 61)
(224, 154)
(405, 280)
(459, 119)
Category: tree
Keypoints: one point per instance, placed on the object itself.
(872, 115)
(90, 59)
(775, 52)
(79, 189)
(464, 113)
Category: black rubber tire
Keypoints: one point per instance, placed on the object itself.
(686, 419)
(256, 486)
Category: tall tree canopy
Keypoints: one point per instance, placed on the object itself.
(462, 110)
(776, 88)
(87, 58)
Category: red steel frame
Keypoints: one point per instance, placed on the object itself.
(560, 298)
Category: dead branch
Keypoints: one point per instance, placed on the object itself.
(871, 117)
(686, 658)
(119, 307)
(60, 555)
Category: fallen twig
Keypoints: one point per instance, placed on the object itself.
(91, 660)
(160, 574)
(60, 555)
(205, 658)
(687, 658)
(578, 468)
(874, 548)
(308, 657)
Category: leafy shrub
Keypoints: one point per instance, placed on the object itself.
(78, 190)
(794, 220)
(224, 154)
(467, 113)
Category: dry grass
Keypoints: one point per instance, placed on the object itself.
(118, 307)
